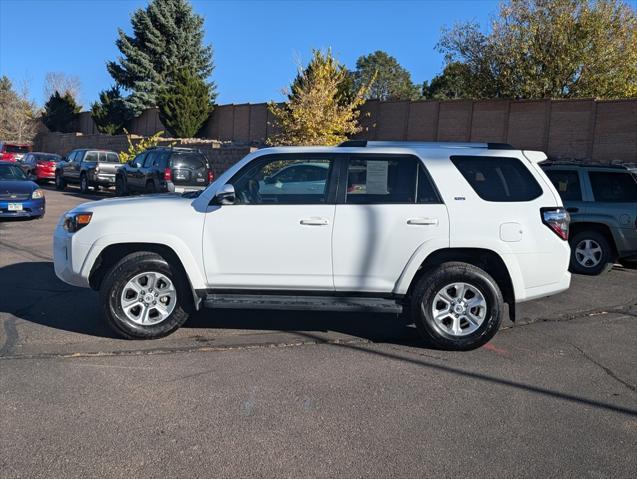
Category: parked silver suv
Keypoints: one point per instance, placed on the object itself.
(602, 201)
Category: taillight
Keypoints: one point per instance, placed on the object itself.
(6, 156)
(168, 175)
(557, 219)
(211, 176)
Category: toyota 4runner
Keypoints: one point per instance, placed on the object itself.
(444, 233)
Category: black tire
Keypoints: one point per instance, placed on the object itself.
(606, 255)
(432, 282)
(150, 187)
(85, 185)
(60, 183)
(120, 187)
(113, 286)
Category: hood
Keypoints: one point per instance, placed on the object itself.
(17, 187)
(137, 205)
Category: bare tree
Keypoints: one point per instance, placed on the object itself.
(63, 84)
(18, 114)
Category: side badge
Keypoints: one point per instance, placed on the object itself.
(459, 198)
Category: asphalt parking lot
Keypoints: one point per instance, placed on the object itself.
(296, 394)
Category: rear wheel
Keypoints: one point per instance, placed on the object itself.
(150, 187)
(60, 183)
(591, 253)
(457, 306)
(144, 297)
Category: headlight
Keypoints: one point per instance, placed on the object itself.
(37, 194)
(76, 221)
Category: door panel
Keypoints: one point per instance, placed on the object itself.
(272, 239)
(269, 246)
(373, 243)
(389, 209)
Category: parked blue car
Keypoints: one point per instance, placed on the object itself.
(19, 196)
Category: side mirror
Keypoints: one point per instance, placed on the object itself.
(32, 177)
(225, 196)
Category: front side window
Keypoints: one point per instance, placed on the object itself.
(286, 179)
(381, 180)
(566, 183)
(112, 158)
(498, 179)
(91, 157)
(613, 187)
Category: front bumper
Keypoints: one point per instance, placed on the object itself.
(30, 208)
(68, 257)
(103, 179)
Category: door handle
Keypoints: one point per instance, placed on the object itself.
(422, 221)
(315, 222)
(572, 209)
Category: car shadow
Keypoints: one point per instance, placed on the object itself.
(74, 191)
(32, 292)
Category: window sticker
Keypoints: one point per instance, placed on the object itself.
(377, 172)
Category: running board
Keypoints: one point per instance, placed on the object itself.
(306, 303)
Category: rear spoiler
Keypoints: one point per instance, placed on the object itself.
(534, 156)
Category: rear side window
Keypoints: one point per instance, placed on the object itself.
(566, 183)
(613, 187)
(498, 179)
(381, 180)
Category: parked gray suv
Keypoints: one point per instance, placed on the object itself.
(602, 201)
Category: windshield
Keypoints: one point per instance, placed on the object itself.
(16, 149)
(10, 172)
(53, 158)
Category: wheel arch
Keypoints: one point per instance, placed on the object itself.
(112, 253)
(485, 259)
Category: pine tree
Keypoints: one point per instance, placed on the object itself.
(61, 112)
(167, 34)
(386, 78)
(184, 103)
(316, 113)
(110, 113)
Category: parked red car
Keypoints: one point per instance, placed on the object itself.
(13, 151)
(40, 165)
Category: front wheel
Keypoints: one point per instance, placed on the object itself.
(144, 297)
(120, 187)
(457, 306)
(60, 183)
(84, 184)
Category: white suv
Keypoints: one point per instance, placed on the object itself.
(444, 232)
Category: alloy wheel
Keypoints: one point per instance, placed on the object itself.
(148, 298)
(458, 309)
(588, 253)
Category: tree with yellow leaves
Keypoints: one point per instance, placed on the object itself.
(317, 112)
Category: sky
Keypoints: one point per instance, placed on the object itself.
(257, 44)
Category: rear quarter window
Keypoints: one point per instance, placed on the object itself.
(498, 179)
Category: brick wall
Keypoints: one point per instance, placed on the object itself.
(603, 130)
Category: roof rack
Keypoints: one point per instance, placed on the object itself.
(589, 164)
(423, 144)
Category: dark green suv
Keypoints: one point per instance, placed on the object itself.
(602, 201)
